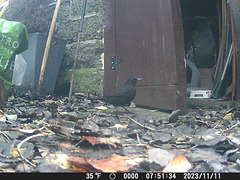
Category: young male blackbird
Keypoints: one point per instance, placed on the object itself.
(123, 95)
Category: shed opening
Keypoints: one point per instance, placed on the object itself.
(207, 39)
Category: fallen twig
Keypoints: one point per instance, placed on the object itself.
(77, 49)
(223, 131)
(146, 127)
(174, 115)
(5, 135)
(25, 140)
(139, 145)
(231, 127)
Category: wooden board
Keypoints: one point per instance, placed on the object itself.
(235, 8)
(148, 37)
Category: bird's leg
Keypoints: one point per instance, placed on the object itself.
(127, 110)
(116, 112)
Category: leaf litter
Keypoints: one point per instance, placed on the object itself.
(47, 134)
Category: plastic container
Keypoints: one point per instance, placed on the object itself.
(33, 57)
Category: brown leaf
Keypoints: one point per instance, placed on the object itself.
(178, 164)
(113, 163)
(70, 147)
(81, 164)
(113, 141)
(49, 102)
(91, 139)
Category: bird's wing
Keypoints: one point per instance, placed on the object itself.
(121, 96)
(121, 92)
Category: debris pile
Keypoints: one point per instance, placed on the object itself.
(47, 134)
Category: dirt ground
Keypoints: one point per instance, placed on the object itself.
(46, 134)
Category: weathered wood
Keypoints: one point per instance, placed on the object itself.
(149, 40)
(234, 64)
(159, 97)
(235, 9)
(76, 51)
(144, 41)
(109, 45)
(49, 39)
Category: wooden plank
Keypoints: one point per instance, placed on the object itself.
(150, 44)
(235, 9)
(181, 90)
(160, 94)
(109, 45)
(206, 77)
(178, 44)
(145, 41)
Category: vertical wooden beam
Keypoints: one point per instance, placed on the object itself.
(181, 88)
(235, 9)
(76, 51)
(234, 58)
(109, 45)
(49, 39)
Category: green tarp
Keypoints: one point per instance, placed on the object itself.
(13, 40)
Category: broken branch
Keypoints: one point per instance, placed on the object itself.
(25, 140)
(146, 127)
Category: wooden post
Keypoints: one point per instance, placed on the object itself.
(234, 64)
(76, 52)
(235, 9)
(220, 61)
(49, 39)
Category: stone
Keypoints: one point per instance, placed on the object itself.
(182, 130)
(47, 114)
(234, 157)
(23, 167)
(159, 156)
(47, 167)
(90, 125)
(70, 116)
(11, 118)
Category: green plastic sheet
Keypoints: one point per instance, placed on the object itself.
(13, 40)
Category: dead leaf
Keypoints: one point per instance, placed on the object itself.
(135, 161)
(91, 139)
(113, 141)
(81, 164)
(103, 108)
(119, 127)
(1, 112)
(70, 147)
(49, 102)
(58, 158)
(15, 154)
(113, 163)
(228, 115)
(178, 164)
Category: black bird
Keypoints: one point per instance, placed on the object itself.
(123, 95)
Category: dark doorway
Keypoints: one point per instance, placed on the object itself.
(201, 36)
